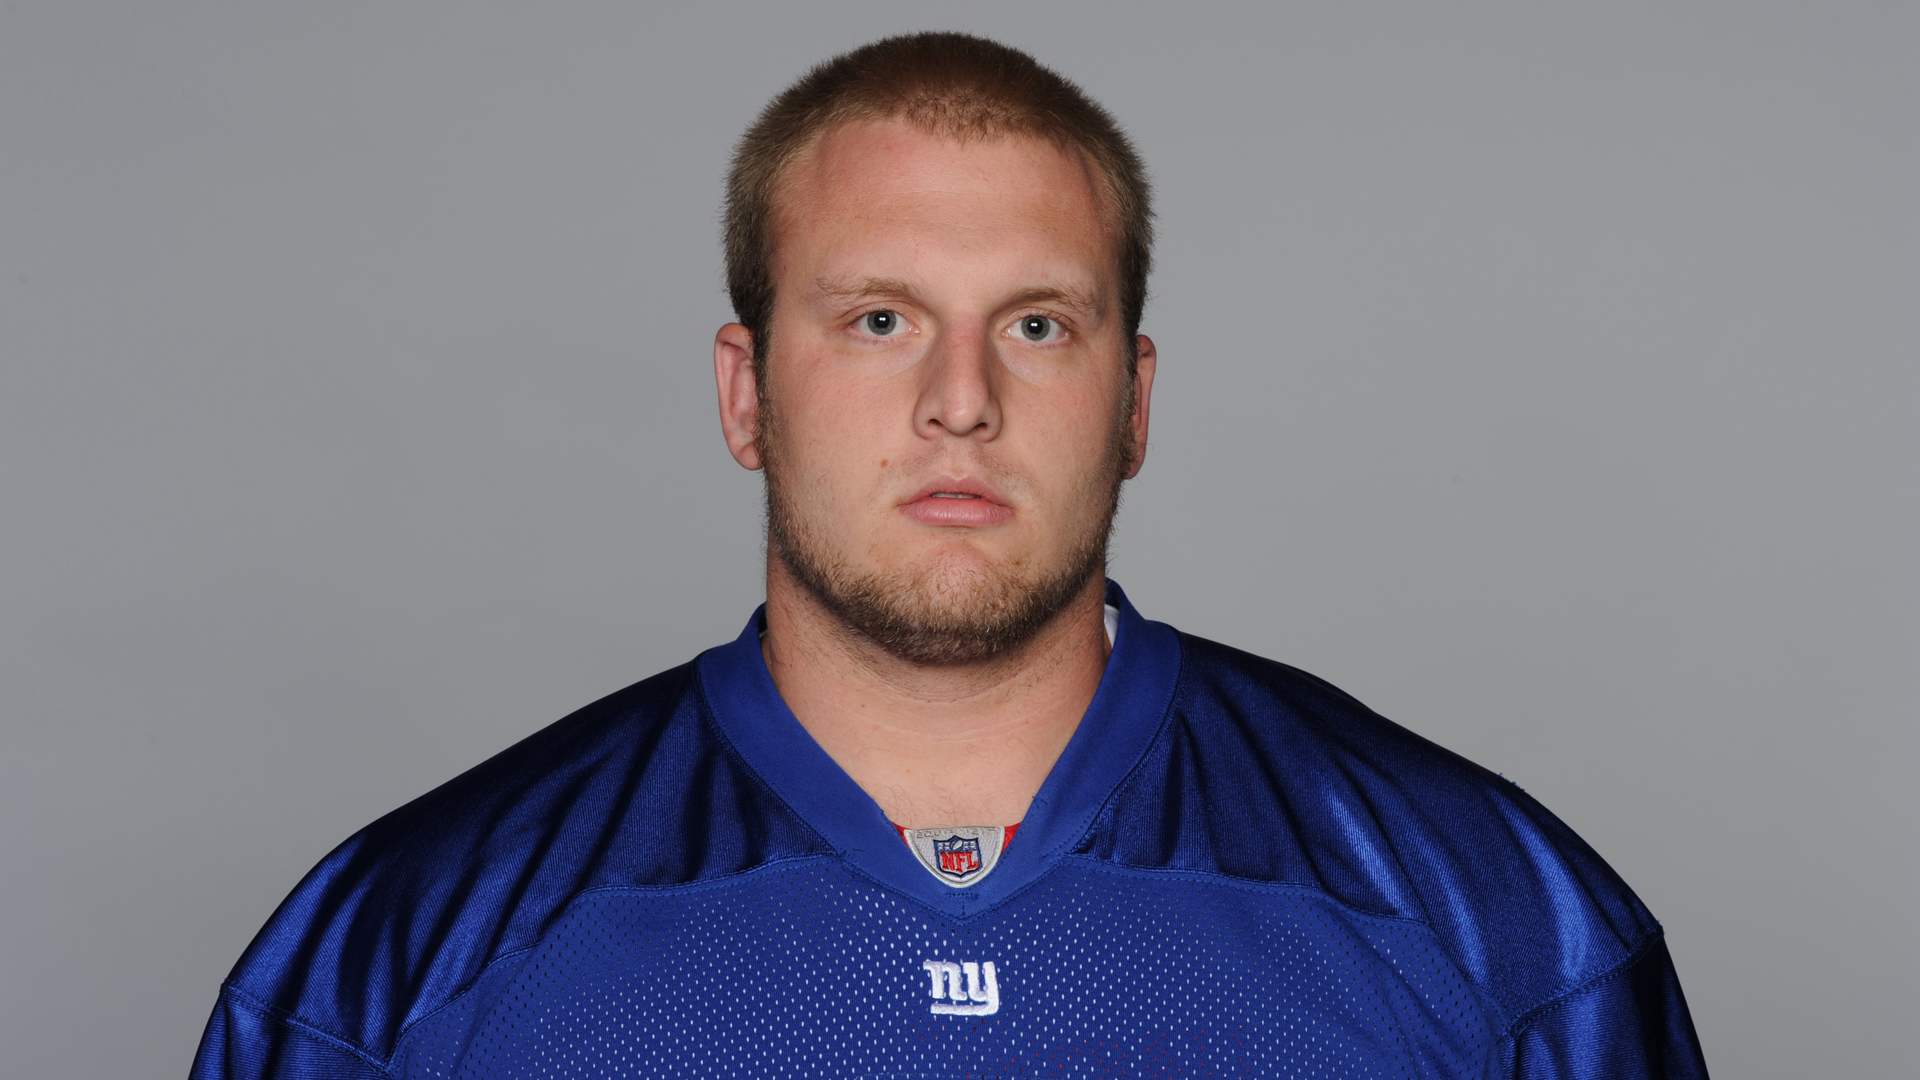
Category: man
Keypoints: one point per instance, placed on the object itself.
(949, 806)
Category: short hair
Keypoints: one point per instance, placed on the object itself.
(954, 85)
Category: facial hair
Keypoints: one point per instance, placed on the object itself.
(934, 615)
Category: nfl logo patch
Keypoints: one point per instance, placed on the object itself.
(957, 855)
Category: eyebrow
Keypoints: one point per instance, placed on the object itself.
(1065, 295)
(895, 288)
(848, 289)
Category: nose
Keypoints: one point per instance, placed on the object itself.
(958, 395)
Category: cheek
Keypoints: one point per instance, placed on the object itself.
(836, 434)
(1076, 426)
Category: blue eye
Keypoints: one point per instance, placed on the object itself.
(1038, 328)
(881, 323)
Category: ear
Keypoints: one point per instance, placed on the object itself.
(1142, 401)
(739, 392)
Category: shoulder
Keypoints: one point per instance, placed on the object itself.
(1266, 773)
(638, 789)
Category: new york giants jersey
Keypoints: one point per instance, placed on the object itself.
(1234, 870)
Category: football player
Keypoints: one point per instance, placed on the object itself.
(949, 806)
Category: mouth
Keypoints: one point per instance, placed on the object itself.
(951, 502)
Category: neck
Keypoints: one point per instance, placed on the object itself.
(960, 744)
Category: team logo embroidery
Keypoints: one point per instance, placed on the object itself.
(980, 996)
(958, 855)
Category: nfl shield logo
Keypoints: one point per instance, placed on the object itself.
(958, 855)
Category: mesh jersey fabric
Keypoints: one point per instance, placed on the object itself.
(1233, 870)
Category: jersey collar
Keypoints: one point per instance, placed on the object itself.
(1126, 713)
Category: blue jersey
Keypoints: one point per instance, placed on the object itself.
(1233, 870)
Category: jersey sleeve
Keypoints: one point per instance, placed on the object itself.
(244, 1042)
(1629, 1024)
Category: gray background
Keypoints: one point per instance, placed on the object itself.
(1544, 377)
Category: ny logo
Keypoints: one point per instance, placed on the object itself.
(976, 1000)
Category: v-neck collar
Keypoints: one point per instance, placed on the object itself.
(1126, 712)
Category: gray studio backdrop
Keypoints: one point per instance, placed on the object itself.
(1546, 378)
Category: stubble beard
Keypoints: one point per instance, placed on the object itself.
(938, 614)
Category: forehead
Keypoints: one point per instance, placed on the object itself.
(891, 183)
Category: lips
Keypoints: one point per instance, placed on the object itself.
(958, 503)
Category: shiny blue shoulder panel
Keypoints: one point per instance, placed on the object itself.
(1266, 773)
(635, 789)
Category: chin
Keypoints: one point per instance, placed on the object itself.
(956, 607)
